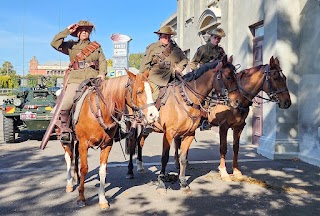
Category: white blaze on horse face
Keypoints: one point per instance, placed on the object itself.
(153, 113)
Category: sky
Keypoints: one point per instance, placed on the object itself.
(28, 26)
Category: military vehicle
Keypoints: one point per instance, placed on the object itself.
(29, 109)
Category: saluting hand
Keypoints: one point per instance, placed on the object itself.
(72, 28)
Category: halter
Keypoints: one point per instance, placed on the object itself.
(271, 91)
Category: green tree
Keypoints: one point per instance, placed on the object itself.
(135, 60)
(7, 69)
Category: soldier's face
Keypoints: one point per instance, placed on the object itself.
(83, 33)
(215, 40)
(165, 38)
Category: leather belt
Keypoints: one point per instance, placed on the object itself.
(82, 64)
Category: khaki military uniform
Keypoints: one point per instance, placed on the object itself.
(162, 71)
(205, 54)
(72, 48)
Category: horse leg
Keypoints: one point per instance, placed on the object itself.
(83, 150)
(76, 176)
(167, 139)
(140, 168)
(187, 140)
(236, 139)
(131, 146)
(177, 142)
(103, 203)
(68, 155)
(223, 131)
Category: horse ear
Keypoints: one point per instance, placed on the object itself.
(230, 59)
(131, 75)
(271, 62)
(276, 61)
(146, 73)
(224, 60)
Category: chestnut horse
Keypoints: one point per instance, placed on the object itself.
(180, 115)
(268, 78)
(98, 121)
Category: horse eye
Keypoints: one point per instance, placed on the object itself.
(140, 91)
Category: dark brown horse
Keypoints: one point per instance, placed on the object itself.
(98, 121)
(180, 116)
(268, 78)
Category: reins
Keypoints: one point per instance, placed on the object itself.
(272, 93)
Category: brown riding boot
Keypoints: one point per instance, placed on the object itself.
(65, 136)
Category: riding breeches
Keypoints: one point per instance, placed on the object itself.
(69, 94)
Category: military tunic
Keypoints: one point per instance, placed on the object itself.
(159, 76)
(72, 48)
(205, 54)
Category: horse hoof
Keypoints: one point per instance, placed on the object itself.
(129, 176)
(81, 203)
(104, 206)
(69, 189)
(238, 175)
(224, 174)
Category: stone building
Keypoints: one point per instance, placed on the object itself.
(257, 30)
(48, 69)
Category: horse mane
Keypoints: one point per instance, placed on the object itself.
(114, 91)
(250, 71)
(193, 75)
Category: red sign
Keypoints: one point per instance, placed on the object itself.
(120, 38)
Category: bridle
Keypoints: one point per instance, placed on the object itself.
(137, 116)
(272, 92)
(223, 97)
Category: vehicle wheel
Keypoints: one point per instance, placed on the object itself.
(8, 130)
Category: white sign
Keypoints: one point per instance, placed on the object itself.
(120, 61)
(120, 52)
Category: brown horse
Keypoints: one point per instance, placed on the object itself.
(180, 116)
(268, 78)
(98, 121)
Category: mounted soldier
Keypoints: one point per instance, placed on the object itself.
(86, 61)
(164, 59)
(209, 52)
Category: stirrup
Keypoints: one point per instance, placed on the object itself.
(205, 125)
(147, 129)
(122, 135)
(65, 138)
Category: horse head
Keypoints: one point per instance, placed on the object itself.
(226, 80)
(275, 84)
(139, 97)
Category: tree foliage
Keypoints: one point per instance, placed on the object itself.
(135, 60)
(7, 69)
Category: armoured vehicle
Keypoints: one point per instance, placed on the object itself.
(29, 109)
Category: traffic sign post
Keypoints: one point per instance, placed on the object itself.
(120, 53)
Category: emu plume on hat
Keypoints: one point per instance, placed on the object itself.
(85, 24)
(218, 32)
(166, 30)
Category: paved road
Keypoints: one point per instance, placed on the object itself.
(33, 183)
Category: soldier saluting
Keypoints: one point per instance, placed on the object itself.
(86, 61)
